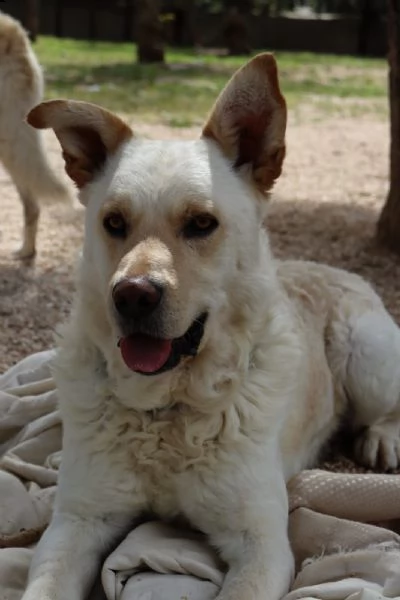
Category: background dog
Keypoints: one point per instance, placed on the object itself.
(197, 374)
(21, 147)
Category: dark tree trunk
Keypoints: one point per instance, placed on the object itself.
(59, 20)
(149, 33)
(32, 18)
(236, 33)
(128, 22)
(366, 23)
(183, 30)
(389, 222)
(92, 20)
(179, 26)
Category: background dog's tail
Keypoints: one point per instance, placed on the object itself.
(31, 170)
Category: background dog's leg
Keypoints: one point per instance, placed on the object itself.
(68, 556)
(373, 385)
(31, 217)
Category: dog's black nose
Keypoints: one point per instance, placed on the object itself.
(136, 297)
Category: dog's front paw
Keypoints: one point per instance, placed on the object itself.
(242, 593)
(247, 589)
(39, 590)
(379, 446)
(26, 252)
(40, 595)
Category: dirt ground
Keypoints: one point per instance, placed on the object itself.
(324, 208)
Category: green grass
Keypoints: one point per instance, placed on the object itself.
(181, 92)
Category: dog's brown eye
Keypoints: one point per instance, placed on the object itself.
(115, 225)
(200, 226)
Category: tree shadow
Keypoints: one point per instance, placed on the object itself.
(33, 302)
(340, 235)
(124, 73)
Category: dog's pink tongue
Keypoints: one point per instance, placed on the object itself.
(144, 353)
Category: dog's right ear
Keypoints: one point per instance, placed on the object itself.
(87, 134)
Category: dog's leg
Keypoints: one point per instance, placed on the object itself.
(245, 515)
(92, 511)
(260, 567)
(69, 555)
(31, 218)
(372, 383)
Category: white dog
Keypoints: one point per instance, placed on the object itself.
(21, 147)
(196, 374)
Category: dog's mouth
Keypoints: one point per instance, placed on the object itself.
(150, 355)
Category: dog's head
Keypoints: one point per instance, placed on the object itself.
(173, 229)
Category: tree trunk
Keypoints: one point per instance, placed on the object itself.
(128, 22)
(59, 19)
(236, 33)
(32, 18)
(91, 7)
(149, 36)
(367, 21)
(388, 231)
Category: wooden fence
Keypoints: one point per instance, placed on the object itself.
(114, 20)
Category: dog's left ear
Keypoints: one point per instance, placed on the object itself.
(248, 120)
(88, 134)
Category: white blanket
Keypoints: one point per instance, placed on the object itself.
(341, 552)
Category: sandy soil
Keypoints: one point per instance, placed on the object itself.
(324, 208)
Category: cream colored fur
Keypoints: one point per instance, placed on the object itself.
(21, 147)
(288, 349)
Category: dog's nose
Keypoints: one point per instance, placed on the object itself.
(136, 297)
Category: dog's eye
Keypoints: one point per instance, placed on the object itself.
(115, 225)
(200, 226)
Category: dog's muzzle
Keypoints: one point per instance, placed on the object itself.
(136, 300)
(150, 355)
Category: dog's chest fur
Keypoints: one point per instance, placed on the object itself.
(149, 452)
(160, 441)
(150, 457)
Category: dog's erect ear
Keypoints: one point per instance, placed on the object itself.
(87, 134)
(248, 120)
